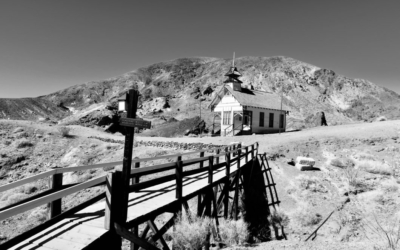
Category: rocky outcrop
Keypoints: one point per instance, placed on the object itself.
(165, 144)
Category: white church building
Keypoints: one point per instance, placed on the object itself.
(245, 111)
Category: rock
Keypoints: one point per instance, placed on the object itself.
(3, 237)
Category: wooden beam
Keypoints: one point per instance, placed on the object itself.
(226, 187)
(54, 207)
(155, 231)
(178, 173)
(132, 238)
(49, 198)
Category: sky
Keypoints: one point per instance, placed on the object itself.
(48, 45)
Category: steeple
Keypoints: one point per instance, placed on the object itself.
(233, 77)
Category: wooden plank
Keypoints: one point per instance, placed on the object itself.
(26, 180)
(132, 238)
(60, 244)
(134, 123)
(156, 231)
(153, 169)
(81, 168)
(48, 198)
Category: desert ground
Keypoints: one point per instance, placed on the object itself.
(357, 177)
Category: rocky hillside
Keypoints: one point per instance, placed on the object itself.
(176, 89)
(31, 109)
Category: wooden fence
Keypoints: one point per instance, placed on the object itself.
(58, 190)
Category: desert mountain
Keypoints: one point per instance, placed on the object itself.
(175, 89)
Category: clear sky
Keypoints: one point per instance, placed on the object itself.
(48, 45)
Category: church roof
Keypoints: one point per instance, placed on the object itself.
(233, 72)
(257, 98)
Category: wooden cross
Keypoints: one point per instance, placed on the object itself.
(130, 122)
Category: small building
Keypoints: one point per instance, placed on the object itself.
(244, 110)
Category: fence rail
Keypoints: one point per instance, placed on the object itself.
(58, 190)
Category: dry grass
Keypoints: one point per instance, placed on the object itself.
(373, 169)
(279, 218)
(313, 184)
(64, 131)
(233, 232)
(306, 217)
(342, 163)
(191, 233)
(388, 232)
(23, 143)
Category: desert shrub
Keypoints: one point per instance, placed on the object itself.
(382, 170)
(342, 163)
(306, 217)
(64, 131)
(279, 218)
(14, 198)
(30, 188)
(84, 177)
(22, 135)
(390, 188)
(109, 168)
(191, 233)
(351, 175)
(350, 216)
(388, 231)
(233, 232)
(23, 143)
(3, 172)
(7, 142)
(17, 130)
(108, 147)
(312, 184)
(40, 214)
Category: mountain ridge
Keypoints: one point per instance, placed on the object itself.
(176, 87)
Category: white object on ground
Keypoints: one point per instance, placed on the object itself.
(304, 163)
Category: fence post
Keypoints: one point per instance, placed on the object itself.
(113, 207)
(227, 183)
(178, 176)
(54, 207)
(135, 229)
(217, 159)
(136, 179)
(236, 199)
(252, 152)
(210, 169)
(247, 154)
(199, 196)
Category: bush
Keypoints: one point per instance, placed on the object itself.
(84, 177)
(306, 217)
(191, 234)
(233, 232)
(30, 188)
(312, 184)
(40, 214)
(14, 198)
(382, 170)
(64, 131)
(7, 142)
(17, 130)
(23, 143)
(342, 163)
(279, 218)
(352, 176)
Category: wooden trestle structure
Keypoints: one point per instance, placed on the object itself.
(215, 179)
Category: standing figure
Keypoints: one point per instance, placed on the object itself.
(323, 119)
